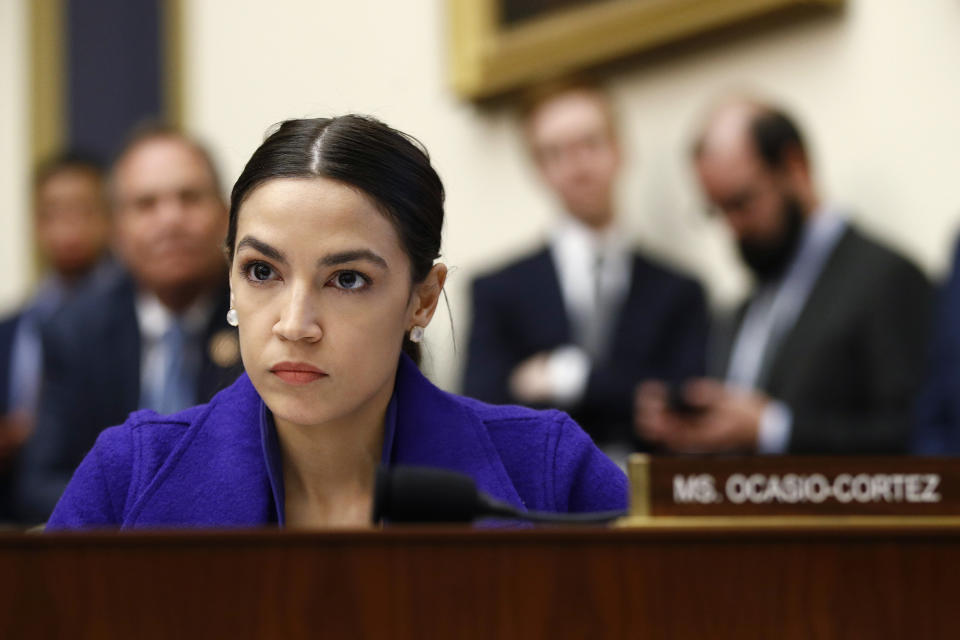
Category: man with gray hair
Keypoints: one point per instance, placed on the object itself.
(156, 339)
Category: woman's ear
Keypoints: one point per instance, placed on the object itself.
(426, 295)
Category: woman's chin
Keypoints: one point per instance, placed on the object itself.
(297, 412)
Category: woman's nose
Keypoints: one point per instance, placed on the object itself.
(298, 317)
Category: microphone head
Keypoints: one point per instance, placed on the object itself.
(422, 494)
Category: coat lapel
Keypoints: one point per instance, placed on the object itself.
(121, 371)
(216, 474)
(544, 313)
(725, 330)
(436, 429)
(808, 326)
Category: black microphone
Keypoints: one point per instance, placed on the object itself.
(425, 495)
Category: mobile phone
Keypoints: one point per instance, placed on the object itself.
(677, 400)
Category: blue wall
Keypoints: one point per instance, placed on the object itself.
(114, 70)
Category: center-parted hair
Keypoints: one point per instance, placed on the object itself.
(390, 167)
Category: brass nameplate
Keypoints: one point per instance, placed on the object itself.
(781, 485)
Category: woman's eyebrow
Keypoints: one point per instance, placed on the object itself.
(262, 247)
(342, 257)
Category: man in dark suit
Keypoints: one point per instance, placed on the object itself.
(826, 355)
(71, 226)
(156, 338)
(938, 408)
(578, 323)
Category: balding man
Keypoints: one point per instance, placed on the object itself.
(826, 355)
(156, 339)
(579, 322)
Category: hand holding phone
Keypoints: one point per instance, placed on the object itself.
(677, 401)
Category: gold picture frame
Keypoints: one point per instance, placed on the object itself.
(489, 58)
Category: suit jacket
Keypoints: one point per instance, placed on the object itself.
(209, 465)
(8, 330)
(660, 333)
(92, 351)
(850, 366)
(938, 408)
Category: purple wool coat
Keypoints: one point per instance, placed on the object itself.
(210, 465)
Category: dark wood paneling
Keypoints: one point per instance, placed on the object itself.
(115, 70)
(670, 583)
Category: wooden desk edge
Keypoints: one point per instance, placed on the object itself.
(630, 530)
(787, 522)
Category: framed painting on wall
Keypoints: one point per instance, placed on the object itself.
(501, 45)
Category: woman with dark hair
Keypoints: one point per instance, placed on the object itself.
(333, 239)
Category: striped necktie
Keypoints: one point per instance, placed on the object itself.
(179, 377)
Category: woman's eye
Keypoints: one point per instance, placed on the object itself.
(259, 272)
(349, 280)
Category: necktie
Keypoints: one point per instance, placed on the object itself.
(596, 332)
(177, 390)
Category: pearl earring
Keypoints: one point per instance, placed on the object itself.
(416, 334)
(232, 319)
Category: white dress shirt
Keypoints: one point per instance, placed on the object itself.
(593, 268)
(26, 359)
(154, 319)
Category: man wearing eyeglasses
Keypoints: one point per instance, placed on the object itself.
(827, 353)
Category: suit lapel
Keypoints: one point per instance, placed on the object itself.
(726, 330)
(545, 311)
(220, 351)
(806, 328)
(122, 333)
(632, 315)
(8, 333)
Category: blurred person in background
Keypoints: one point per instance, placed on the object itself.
(71, 227)
(827, 354)
(578, 323)
(157, 337)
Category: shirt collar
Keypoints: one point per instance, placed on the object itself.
(274, 462)
(825, 225)
(571, 234)
(154, 318)
(821, 232)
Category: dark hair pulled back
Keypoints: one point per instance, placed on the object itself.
(390, 167)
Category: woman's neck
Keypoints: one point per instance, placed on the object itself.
(328, 469)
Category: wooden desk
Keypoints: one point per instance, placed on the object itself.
(668, 581)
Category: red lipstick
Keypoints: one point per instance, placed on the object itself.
(297, 372)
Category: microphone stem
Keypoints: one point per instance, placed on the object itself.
(494, 508)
